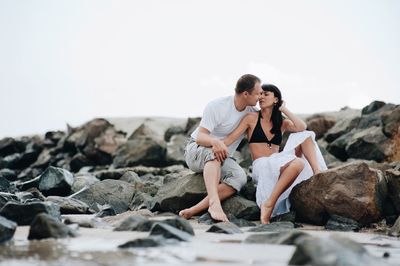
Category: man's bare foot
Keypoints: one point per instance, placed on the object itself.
(217, 213)
(266, 212)
(187, 213)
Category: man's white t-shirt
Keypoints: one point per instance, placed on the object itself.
(221, 117)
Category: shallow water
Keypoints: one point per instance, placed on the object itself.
(100, 247)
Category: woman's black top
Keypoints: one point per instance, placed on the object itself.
(259, 136)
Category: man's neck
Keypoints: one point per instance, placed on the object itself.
(239, 102)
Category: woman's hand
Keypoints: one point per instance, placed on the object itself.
(283, 108)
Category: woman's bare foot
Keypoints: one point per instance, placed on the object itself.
(266, 212)
(217, 213)
(187, 213)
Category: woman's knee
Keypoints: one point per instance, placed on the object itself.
(297, 164)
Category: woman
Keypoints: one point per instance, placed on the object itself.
(276, 173)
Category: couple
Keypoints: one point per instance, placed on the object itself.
(224, 123)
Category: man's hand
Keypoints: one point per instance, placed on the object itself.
(220, 150)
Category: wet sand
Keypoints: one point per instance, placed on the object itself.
(99, 246)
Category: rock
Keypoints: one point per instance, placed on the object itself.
(23, 214)
(142, 150)
(83, 180)
(9, 146)
(179, 223)
(28, 184)
(5, 185)
(395, 229)
(342, 126)
(320, 124)
(56, 181)
(135, 223)
(69, 205)
(151, 241)
(369, 144)
(338, 223)
(78, 161)
(207, 219)
(7, 197)
(144, 201)
(241, 208)
(338, 146)
(393, 179)
(276, 238)
(285, 217)
(106, 210)
(86, 221)
(372, 107)
(176, 149)
(191, 124)
(139, 184)
(45, 226)
(273, 227)
(8, 174)
(7, 229)
(353, 191)
(118, 194)
(391, 122)
(181, 193)
(169, 231)
(248, 191)
(53, 137)
(332, 251)
(175, 130)
(224, 228)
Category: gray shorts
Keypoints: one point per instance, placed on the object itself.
(232, 173)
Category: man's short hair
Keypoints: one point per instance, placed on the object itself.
(246, 83)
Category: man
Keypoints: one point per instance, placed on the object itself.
(206, 152)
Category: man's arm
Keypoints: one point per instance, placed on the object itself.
(218, 147)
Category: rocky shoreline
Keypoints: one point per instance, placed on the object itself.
(130, 176)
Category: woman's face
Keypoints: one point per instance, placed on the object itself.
(267, 99)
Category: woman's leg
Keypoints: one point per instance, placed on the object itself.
(308, 149)
(287, 177)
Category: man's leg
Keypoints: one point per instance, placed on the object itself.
(224, 192)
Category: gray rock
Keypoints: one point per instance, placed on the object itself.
(83, 180)
(176, 149)
(276, 238)
(56, 181)
(273, 227)
(142, 150)
(332, 251)
(353, 190)
(7, 197)
(69, 205)
(23, 214)
(135, 223)
(7, 229)
(151, 241)
(372, 107)
(285, 217)
(118, 194)
(339, 223)
(248, 191)
(149, 187)
(395, 229)
(207, 219)
(393, 179)
(169, 231)
(46, 226)
(391, 122)
(9, 146)
(180, 223)
(241, 208)
(8, 174)
(175, 130)
(225, 228)
(144, 201)
(181, 193)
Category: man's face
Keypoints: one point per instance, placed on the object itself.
(254, 96)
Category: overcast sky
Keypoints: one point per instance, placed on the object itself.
(70, 61)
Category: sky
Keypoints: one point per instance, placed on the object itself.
(70, 61)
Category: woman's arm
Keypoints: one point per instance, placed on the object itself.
(294, 123)
(239, 130)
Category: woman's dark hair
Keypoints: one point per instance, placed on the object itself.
(276, 116)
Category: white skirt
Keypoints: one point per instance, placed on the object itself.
(266, 171)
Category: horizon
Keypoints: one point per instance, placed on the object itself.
(70, 61)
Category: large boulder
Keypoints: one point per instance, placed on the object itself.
(9, 146)
(118, 194)
(176, 149)
(353, 191)
(320, 124)
(46, 226)
(69, 205)
(56, 181)
(7, 229)
(23, 214)
(181, 193)
(241, 208)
